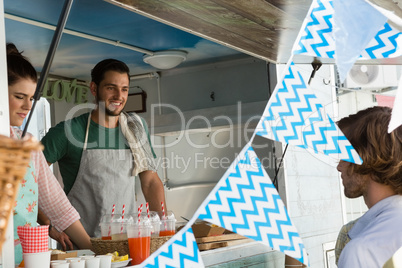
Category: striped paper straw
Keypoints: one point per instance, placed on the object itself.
(163, 215)
(139, 220)
(163, 210)
(122, 218)
(114, 206)
(147, 205)
(139, 213)
(111, 219)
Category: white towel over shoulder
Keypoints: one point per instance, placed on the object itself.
(134, 132)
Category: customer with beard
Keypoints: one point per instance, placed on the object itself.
(376, 235)
(99, 153)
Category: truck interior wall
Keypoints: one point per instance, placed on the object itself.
(190, 165)
(196, 161)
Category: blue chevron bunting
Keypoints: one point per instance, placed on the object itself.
(386, 44)
(246, 202)
(295, 116)
(316, 37)
(180, 251)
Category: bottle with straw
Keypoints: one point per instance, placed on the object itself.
(167, 228)
(118, 228)
(108, 235)
(139, 239)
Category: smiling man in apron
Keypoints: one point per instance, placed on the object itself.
(100, 153)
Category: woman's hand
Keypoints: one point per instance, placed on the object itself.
(62, 238)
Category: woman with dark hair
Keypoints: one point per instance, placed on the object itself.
(376, 235)
(39, 188)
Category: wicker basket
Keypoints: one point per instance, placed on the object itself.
(157, 242)
(14, 160)
(102, 247)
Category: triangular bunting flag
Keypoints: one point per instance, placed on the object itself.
(396, 118)
(386, 44)
(316, 36)
(351, 37)
(295, 116)
(180, 251)
(246, 202)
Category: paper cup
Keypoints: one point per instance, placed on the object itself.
(58, 261)
(92, 263)
(87, 257)
(105, 261)
(59, 265)
(37, 260)
(73, 259)
(77, 263)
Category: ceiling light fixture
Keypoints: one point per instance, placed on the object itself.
(166, 59)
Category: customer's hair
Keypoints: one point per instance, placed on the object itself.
(98, 72)
(18, 67)
(380, 151)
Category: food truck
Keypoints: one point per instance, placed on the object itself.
(202, 73)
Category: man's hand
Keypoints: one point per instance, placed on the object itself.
(62, 238)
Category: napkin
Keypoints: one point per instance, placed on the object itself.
(34, 239)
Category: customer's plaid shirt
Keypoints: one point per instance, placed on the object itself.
(343, 238)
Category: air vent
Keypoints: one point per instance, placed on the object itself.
(372, 76)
